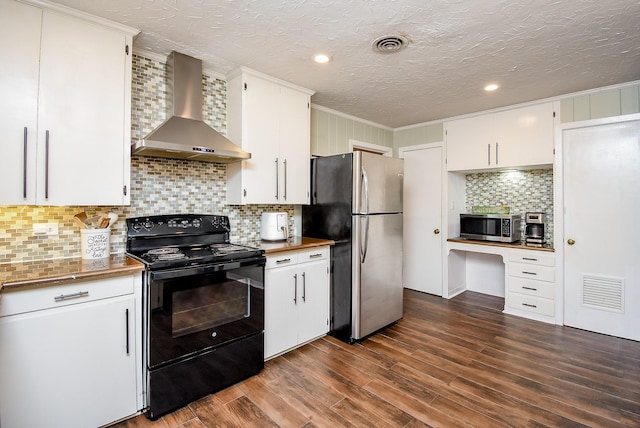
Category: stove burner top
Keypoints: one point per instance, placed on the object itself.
(163, 251)
(163, 254)
(196, 254)
(166, 242)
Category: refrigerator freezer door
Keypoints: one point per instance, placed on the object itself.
(377, 183)
(377, 272)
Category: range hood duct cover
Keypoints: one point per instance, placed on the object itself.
(184, 135)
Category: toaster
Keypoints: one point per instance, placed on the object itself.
(274, 226)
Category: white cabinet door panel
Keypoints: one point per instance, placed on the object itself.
(313, 303)
(294, 147)
(260, 138)
(82, 107)
(469, 143)
(281, 312)
(68, 367)
(19, 100)
(526, 136)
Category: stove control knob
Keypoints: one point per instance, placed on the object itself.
(136, 226)
(196, 222)
(148, 225)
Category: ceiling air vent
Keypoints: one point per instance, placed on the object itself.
(390, 44)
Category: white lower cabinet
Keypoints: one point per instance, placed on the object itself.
(530, 285)
(68, 354)
(296, 299)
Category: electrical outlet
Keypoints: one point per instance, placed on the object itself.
(45, 229)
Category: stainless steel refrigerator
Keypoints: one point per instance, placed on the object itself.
(356, 201)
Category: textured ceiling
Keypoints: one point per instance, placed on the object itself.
(532, 48)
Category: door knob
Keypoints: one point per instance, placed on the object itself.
(436, 231)
(571, 241)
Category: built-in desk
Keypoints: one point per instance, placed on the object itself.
(524, 276)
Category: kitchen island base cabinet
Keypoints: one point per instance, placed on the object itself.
(73, 361)
(296, 299)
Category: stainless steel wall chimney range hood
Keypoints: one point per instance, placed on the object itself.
(184, 135)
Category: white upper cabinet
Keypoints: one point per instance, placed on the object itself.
(271, 120)
(66, 108)
(521, 137)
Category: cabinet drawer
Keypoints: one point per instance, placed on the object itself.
(535, 272)
(17, 302)
(533, 257)
(282, 259)
(531, 287)
(533, 304)
(309, 255)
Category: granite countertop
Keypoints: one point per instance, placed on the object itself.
(297, 243)
(515, 245)
(45, 273)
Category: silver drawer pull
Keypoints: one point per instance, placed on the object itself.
(530, 288)
(529, 305)
(530, 259)
(283, 261)
(529, 273)
(315, 256)
(77, 295)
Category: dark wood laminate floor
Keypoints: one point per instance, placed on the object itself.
(458, 362)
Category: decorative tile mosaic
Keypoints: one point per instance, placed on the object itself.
(522, 191)
(158, 186)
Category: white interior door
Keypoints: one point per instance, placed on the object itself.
(423, 219)
(601, 200)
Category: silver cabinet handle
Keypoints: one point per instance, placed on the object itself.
(304, 287)
(277, 184)
(529, 273)
(295, 288)
(497, 154)
(285, 179)
(77, 295)
(24, 165)
(315, 256)
(46, 166)
(529, 305)
(530, 259)
(529, 288)
(488, 154)
(283, 261)
(126, 319)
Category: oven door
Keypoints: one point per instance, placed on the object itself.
(195, 309)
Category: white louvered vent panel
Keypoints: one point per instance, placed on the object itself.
(601, 292)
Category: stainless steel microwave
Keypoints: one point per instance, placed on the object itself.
(491, 227)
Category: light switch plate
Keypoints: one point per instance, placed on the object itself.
(45, 229)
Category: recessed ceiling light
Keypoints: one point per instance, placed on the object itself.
(491, 87)
(322, 58)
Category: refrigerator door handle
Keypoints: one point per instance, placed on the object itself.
(365, 245)
(365, 193)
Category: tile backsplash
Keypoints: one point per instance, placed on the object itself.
(522, 191)
(158, 186)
